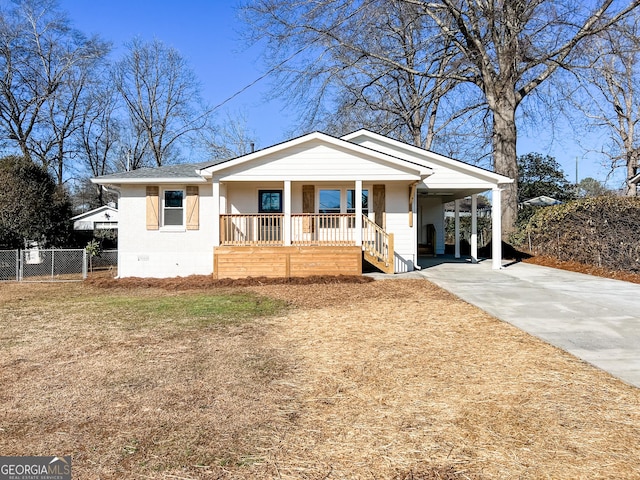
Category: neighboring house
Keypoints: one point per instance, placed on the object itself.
(314, 205)
(101, 218)
(541, 201)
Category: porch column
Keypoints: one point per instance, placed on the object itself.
(358, 200)
(286, 227)
(474, 228)
(457, 228)
(496, 229)
(216, 211)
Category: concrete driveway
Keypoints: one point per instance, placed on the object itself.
(595, 319)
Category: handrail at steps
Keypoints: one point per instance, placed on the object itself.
(377, 245)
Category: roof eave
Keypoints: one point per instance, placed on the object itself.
(147, 180)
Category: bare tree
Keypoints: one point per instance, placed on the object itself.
(161, 95)
(45, 64)
(99, 134)
(230, 138)
(505, 48)
(508, 49)
(389, 100)
(367, 64)
(610, 97)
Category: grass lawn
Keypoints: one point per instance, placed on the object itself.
(390, 379)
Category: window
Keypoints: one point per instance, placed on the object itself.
(329, 201)
(173, 208)
(351, 201)
(270, 201)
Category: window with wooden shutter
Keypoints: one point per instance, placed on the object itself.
(153, 218)
(193, 208)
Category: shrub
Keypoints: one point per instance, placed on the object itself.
(601, 231)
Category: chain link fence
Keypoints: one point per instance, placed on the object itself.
(9, 265)
(105, 260)
(43, 265)
(51, 265)
(46, 265)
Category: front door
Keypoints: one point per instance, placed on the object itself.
(270, 206)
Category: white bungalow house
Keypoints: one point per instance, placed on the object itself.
(314, 205)
(101, 218)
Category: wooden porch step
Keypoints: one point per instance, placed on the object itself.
(380, 264)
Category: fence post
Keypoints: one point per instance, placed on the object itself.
(17, 265)
(20, 265)
(84, 263)
(53, 262)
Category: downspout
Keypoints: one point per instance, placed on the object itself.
(412, 197)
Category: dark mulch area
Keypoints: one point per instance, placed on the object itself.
(195, 282)
(582, 268)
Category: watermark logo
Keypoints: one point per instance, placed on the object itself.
(35, 468)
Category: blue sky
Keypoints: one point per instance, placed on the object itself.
(208, 35)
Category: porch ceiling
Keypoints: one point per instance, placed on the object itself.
(450, 194)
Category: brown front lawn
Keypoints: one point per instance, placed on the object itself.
(390, 379)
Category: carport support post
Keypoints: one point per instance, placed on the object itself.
(474, 228)
(496, 229)
(457, 228)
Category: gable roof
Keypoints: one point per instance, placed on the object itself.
(95, 212)
(428, 156)
(420, 169)
(419, 162)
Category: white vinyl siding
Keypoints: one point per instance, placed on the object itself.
(318, 163)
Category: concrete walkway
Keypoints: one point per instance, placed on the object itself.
(595, 319)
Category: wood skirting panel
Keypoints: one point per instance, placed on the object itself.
(240, 262)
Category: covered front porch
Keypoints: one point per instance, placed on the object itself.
(300, 244)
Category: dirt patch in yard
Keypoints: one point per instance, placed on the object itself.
(200, 282)
(394, 379)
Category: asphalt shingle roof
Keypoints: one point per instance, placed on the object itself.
(180, 170)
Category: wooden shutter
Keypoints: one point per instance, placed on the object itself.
(308, 206)
(379, 205)
(153, 218)
(193, 208)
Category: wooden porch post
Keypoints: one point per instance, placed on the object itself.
(474, 228)
(358, 200)
(496, 229)
(216, 212)
(457, 228)
(286, 222)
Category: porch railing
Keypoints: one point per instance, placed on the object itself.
(335, 229)
(251, 230)
(377, 244)
(306, 229)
